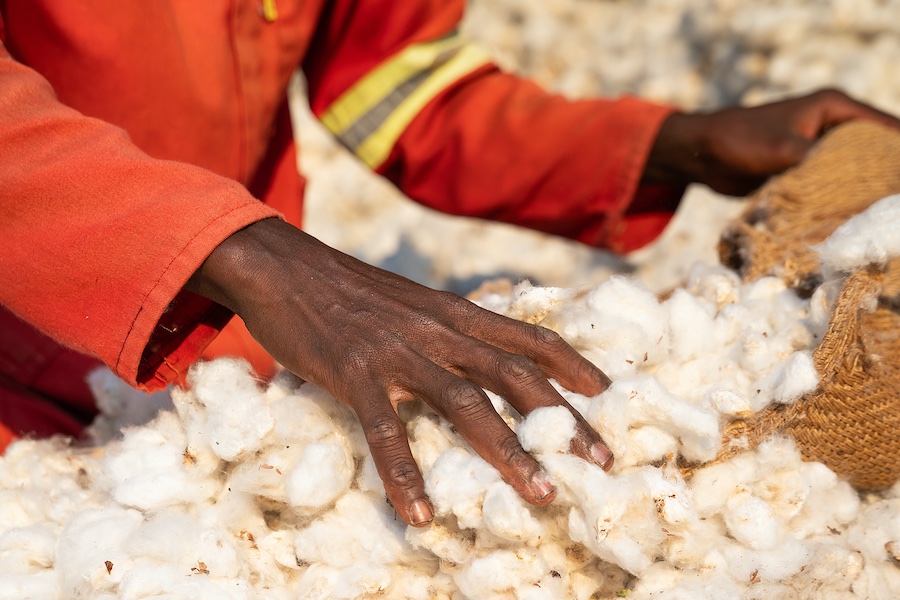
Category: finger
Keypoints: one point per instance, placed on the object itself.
(471, 412)
(523, 384)
(557, 359)
(389, 444)
(835, 107)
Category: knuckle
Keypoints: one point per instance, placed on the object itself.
(511, 453)
(547, 340)
(463, 398)
(384, 431)
(519, 369)
(831, 96)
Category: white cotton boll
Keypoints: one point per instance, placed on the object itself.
(457, 484)
(662, 580)
(830, 572)
(359, 528)
(866, 238)
(502, 408)
(506, 515)
(729, 402)
(691, 329)
(343, 420)
(43, 585)
(87, 542)
(152, 467)
(714, 485)
(500, 574)
(298, 420)
(173, 537)
(798, 377)
(27, 550)
(775, 564)
(367, 478)
(643, 400)
(751, 522)
(547, 430)
(756, 359)
(154, 580)
(362, 580)
(324, 472)
(615, 517)
(532, 303)
(430, 436)
(282, 385)
(762, 292)
(716, 284)
(785, 491)
(672, 498)
(646, 445)
(581, 404)
(20, 508)
(276, 550)
(446, 543)
(120, 405)
(625, 322)
(266, 475)
(236, 416)
(878, 525)
(832, 503)
(608, 543)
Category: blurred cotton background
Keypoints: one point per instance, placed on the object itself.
(696, 54)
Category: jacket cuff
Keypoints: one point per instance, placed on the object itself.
(174, 326)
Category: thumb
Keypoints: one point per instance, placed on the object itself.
(787, 152)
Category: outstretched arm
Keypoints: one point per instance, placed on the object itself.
(735, 150)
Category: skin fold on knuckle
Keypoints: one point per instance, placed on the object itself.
(518, 371)
(464, 401)
(385, 432)
(545, 342)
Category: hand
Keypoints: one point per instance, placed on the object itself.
(374, 339)
(735, 150)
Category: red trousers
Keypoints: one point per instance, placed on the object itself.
(42, 384)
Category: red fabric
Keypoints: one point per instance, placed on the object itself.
(135, 137)
(42, 384)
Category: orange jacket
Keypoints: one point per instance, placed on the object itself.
(136, 136)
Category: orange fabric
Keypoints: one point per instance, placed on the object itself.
(235, 340)
(7, 437)
(134, 137)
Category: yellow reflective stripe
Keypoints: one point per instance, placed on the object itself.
(374, 89)
(270, 10)
(378, 83)
(377, 146)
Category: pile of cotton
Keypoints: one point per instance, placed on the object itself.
(245, 491)
(249, 491)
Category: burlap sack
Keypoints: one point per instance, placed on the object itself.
(852, 422)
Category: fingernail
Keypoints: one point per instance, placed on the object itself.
(420, 513)
(602, 456)
(542, 484)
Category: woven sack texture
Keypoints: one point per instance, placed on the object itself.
(852, 422)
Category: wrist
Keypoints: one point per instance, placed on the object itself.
(679, 152)
(241, 270)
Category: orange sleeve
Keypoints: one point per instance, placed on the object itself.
(489, 144)
(97, 238)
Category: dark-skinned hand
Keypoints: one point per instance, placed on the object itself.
(735, 150)
(374, 339)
